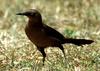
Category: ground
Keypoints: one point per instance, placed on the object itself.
(73, 18)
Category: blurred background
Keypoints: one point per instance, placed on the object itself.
(72, 18)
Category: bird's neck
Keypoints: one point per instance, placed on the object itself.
(34, 23)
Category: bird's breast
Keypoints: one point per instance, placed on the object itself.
(38, 37)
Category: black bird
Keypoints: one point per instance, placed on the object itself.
(44, 36)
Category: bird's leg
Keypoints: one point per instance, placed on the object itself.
(61, 47)
(41, 49)
(65, 60)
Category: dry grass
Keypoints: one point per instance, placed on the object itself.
(73, 18)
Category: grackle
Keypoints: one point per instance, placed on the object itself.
(44, 36)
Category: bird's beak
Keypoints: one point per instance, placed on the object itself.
(23, 13)
(20, 14)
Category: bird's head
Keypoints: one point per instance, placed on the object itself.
(32, 14)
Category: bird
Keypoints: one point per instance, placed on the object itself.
(44, 36)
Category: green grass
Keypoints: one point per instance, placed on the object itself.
(73, 18)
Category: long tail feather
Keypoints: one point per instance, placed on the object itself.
(78, 42)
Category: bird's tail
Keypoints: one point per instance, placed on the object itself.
(78, 42)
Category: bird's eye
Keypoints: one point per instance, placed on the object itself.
(33, 14)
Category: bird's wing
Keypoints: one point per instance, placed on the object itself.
(53, 33)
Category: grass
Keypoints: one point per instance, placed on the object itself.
(73, 18)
